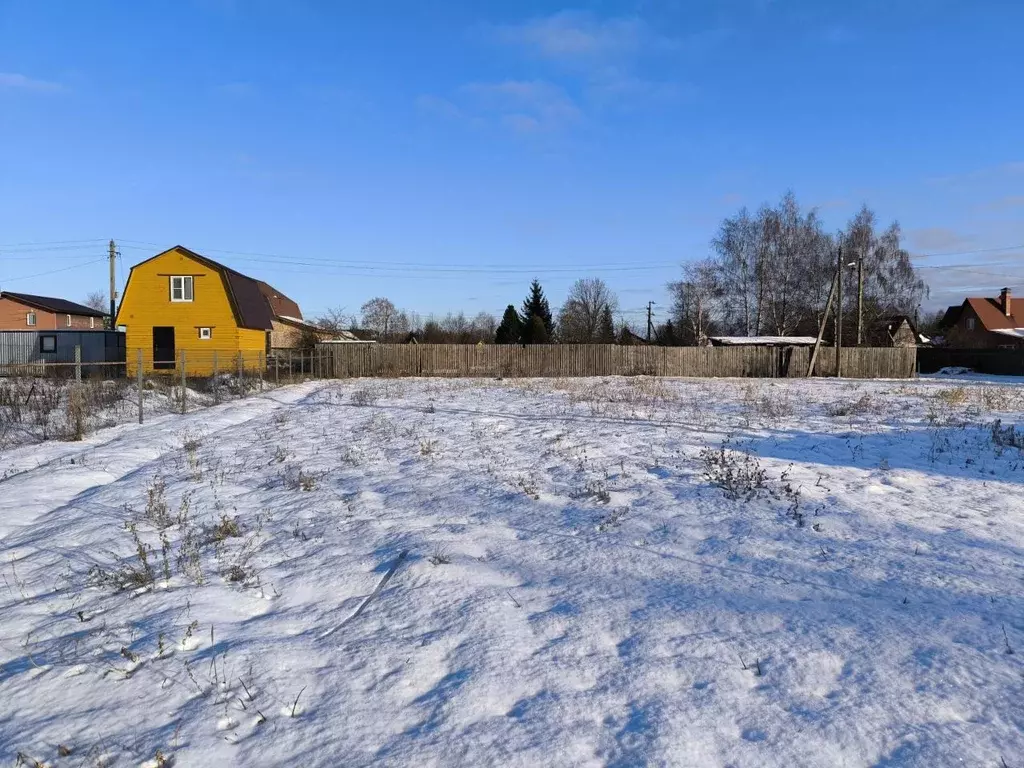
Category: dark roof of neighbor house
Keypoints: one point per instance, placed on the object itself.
(50, 304)
(251, 307)
(952, 316)
(280, 304)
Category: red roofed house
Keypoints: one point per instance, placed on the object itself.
(983, 323)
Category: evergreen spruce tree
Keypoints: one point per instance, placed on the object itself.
(536, 305)
(536, 332)
(511, 329)
(667, 335)
(606, 327)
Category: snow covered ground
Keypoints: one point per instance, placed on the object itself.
(522, 573)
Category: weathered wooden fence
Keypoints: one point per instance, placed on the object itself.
(569, 360)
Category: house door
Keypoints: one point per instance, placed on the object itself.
(163, 348)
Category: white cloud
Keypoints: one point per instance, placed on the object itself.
(578, 34)
(435, 105)
(613, 86)
(14, 80)
(525, 106)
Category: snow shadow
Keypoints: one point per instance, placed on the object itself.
(967, 453)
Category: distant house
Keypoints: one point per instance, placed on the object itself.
(626, 338)
(895, 331)
(985, 323)
(353, 336)
(27, 312)
(181, 301)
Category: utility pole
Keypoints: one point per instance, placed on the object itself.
(824, 322)
(839, 313)
(650, 325)
(113, 284)
(860, 297)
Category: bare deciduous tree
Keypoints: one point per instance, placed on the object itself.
(379, 315)
(485, 325)
(695, 302)
(579, 321)
(97, 300)
(774, 270)
(335, 319)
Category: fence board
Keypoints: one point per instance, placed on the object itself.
(572, 360)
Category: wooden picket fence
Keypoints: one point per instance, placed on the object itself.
(572, 360)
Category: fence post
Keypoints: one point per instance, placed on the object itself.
(277, 369)
(139, 383)
(259, 366)
(184, 396)
(291, 370)
(216, 392)
(241, 382)
(78, 363)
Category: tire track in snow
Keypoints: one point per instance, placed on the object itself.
(25, 500)
(377, 590)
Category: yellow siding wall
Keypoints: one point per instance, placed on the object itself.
(147, 303)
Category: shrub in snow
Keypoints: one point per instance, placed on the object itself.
(737, 473)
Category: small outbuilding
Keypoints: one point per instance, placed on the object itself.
(762, 341)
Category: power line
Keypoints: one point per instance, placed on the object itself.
(966, 253)
(55, 271)
(405, 266)
(54, 242)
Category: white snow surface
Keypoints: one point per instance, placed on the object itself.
(743, 341)
(575, 591)
(1017, 333)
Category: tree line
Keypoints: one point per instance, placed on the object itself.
(769, 272)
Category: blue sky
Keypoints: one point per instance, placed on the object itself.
(344, 150)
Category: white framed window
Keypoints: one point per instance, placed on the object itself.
(970, 323)
(92, 322)
(30, 318)
(205, 333)
(181, 288)
(67, 320)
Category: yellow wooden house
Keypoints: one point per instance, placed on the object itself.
(179, 305)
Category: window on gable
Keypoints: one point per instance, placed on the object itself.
(30, 318)
(181, 288)
(205, 333)
(970, 323)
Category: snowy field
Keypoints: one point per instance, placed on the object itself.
(614, 572)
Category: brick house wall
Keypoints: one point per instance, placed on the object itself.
(14, 317)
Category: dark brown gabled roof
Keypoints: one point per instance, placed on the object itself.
(952, 317)
(251, 307)
(50, 304)
(280, 304)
